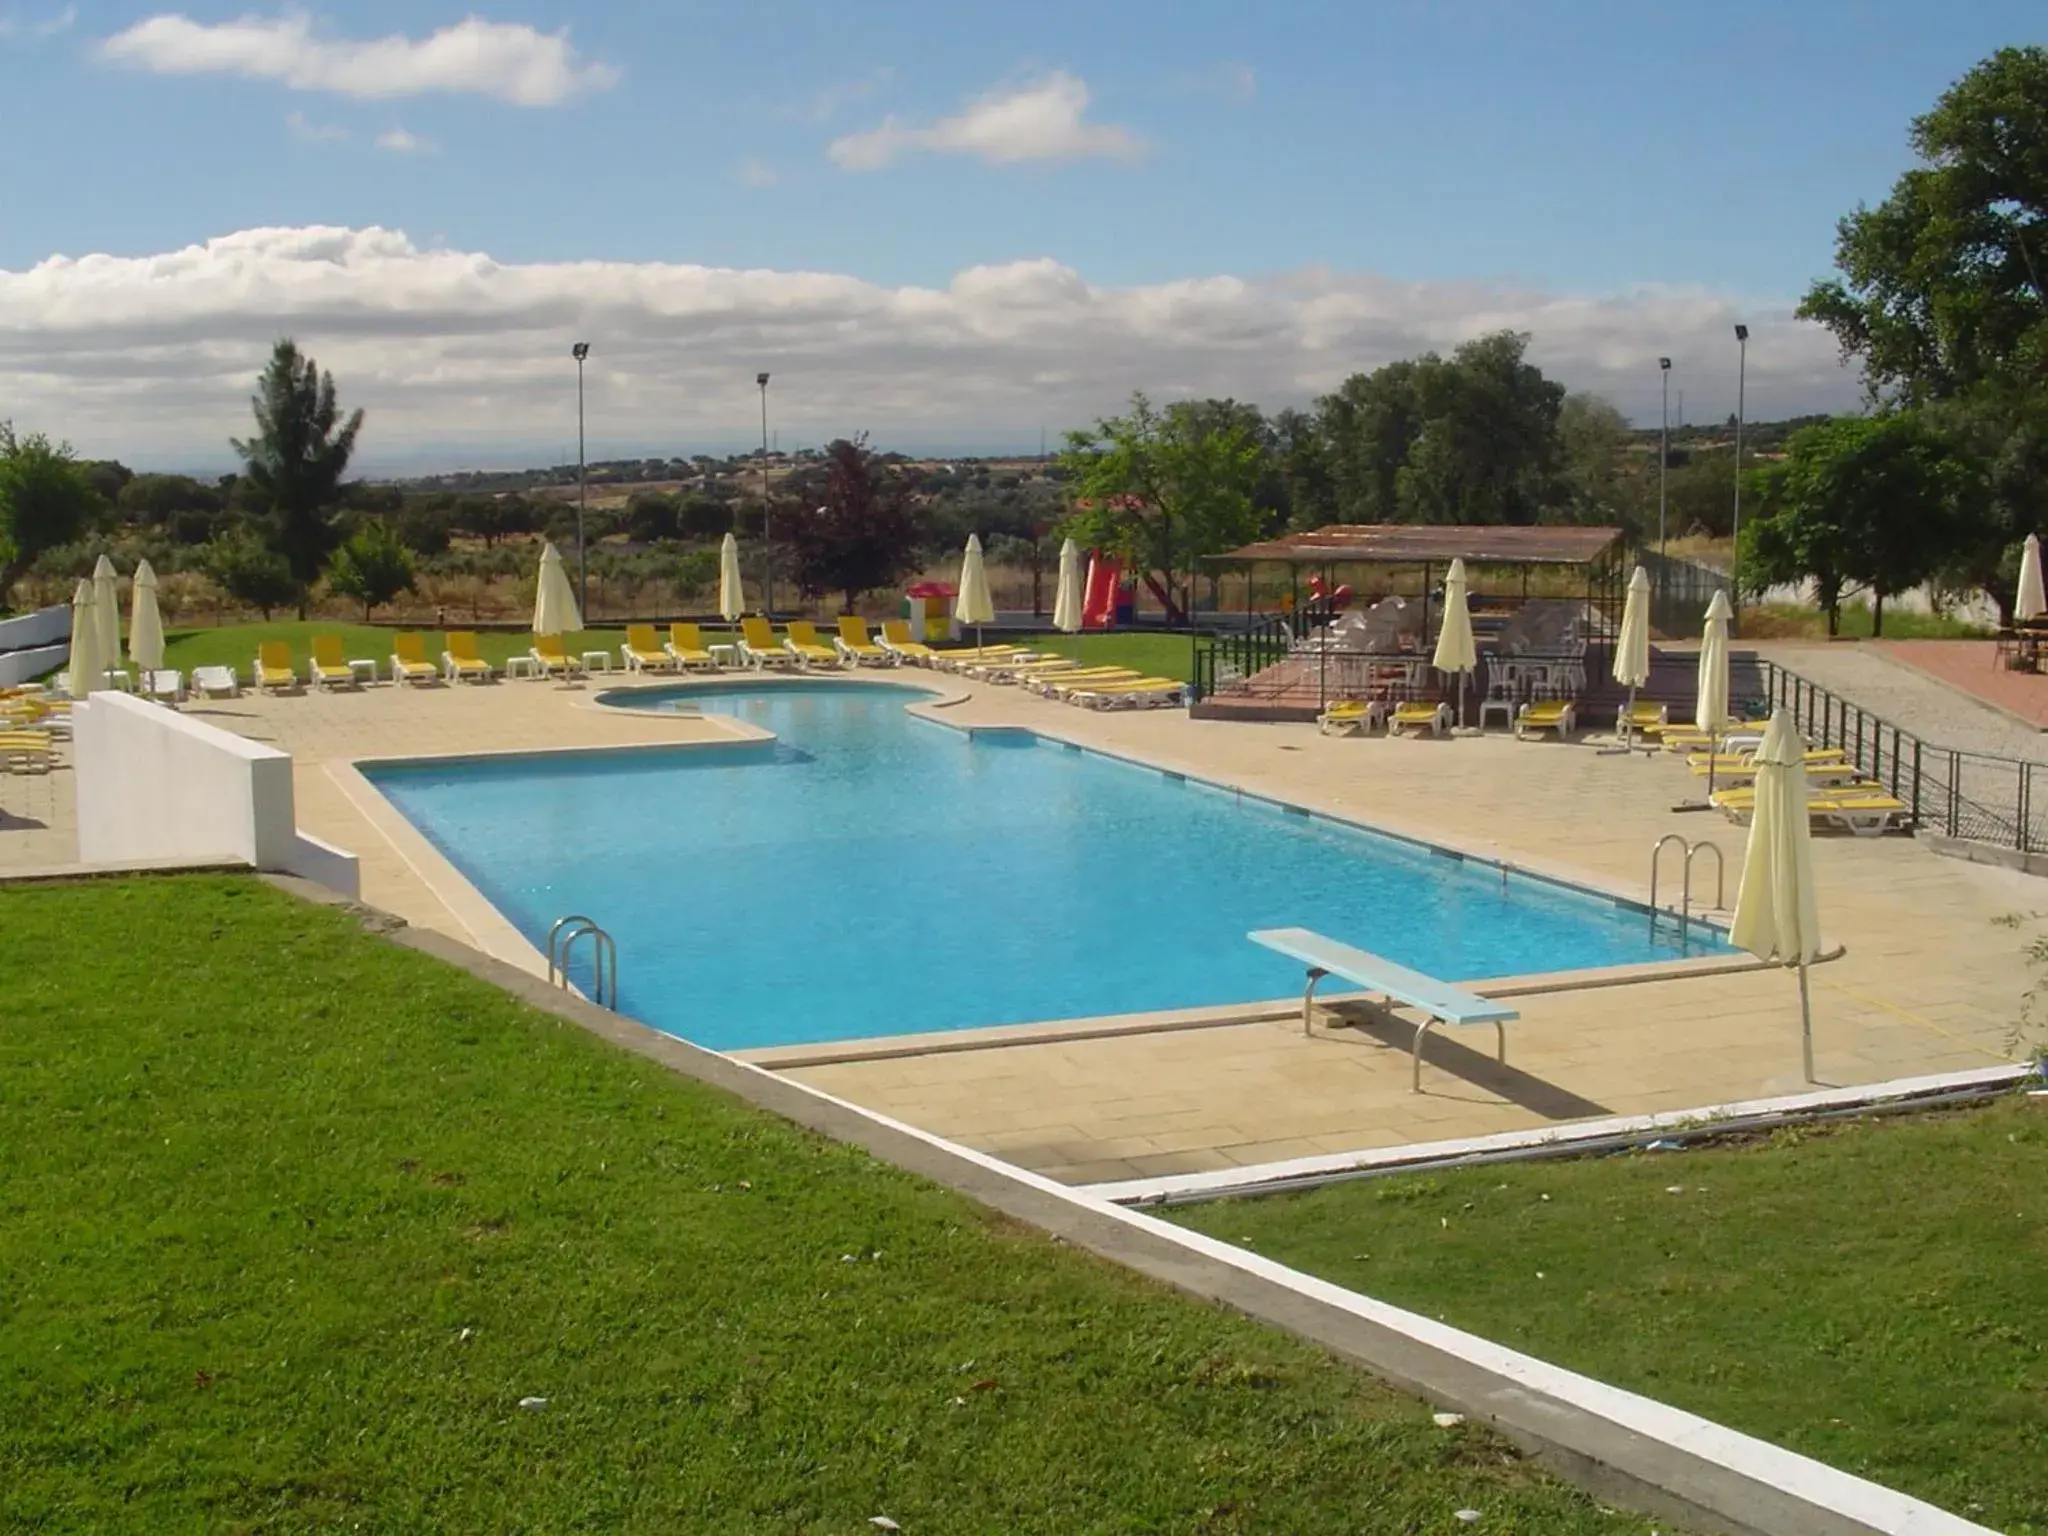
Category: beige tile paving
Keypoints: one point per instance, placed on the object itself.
(1932, 978)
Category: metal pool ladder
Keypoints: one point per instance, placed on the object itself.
(604, 957)
(1691, 851)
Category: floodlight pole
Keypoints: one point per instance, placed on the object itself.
(580, 351)
(767, 514)
(1741, 382)
(1663, 457)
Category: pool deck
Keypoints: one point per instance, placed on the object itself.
(1932, 981)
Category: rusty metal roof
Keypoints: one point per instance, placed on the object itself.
(1416, 543)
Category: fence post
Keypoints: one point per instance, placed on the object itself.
(2026, 804)
(1917, 744)
(1955, 795)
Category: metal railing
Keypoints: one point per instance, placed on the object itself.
(604, 958)
(1977, 796)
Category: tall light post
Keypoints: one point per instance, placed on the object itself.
(767, 516)
(1663, 455)
(1741, 381)
(580, 351)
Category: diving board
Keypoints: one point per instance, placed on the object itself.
(1438, 1001)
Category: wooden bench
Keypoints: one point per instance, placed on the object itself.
(1438, 1001)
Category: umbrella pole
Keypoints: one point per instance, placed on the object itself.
(1624, 733)
(1806, 1023)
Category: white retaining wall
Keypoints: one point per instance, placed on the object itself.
(35, 643)
(154, 784)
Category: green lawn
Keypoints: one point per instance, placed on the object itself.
(234, 645)
(293, 1219)
(1775, 620)
(1154, 655)
(1873, 1296)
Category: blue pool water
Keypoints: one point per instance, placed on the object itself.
(873, 873)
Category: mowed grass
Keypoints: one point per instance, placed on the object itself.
(234, 645)
(1871, 1295)
(294, 1218)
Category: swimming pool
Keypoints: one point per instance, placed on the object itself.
(870, 872)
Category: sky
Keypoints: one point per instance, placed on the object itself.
(952, 227)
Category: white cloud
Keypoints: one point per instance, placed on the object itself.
(462, 359)
(835, 98)
(400, 141)
(757, 173)
(305, 128)
(506, 61)
(52, 25)
(1044, 119)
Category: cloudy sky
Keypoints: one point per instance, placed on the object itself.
(947, 228)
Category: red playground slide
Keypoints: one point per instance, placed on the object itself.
(1098, 601)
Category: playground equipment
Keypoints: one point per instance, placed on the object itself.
(1098, 600)
(1339, 599)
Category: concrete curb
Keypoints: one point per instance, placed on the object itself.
(1617, 1445)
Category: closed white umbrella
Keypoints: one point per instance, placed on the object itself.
(1710, 712)
(106, 611)
(86, 665)
(1775, 915)
(1066, 603)
(145, 625)
(554, 600)
(732, 596)
(2032, 601)
(1455, 650)
(1632, 647)
(973, 605)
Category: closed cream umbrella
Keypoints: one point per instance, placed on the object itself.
(554, 600)
(106, 611)
(1455, 650)
(1710, 710)
(1632, 648)
(1066, 603)
(1775, 916)
(86, 665)
(145, 625)
(2032, 601)
(732, 596)
(973, 605)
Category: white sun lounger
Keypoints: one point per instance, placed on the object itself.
(213, 681)
(1439, 1001)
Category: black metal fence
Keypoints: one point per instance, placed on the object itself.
(1975, 795)
(1680, 591)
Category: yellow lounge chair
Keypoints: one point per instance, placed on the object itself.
(273, 669)
(857, 646)
(1352, 717)
(896, 639)
(686, 648)
(1642, 718)
(553, 660)
(1546, 715)
(760, 648)
(960, 657)
(803, 643)
(1141, 693)
(27, 752)
(329, 667)
(643, 652)
(464, 660)
(409, 662)
(1743, 764)
(1060, 682)
(1417, 716)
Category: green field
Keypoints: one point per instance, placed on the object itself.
(1871, 1295)
(1154, 655)
(294, 1219)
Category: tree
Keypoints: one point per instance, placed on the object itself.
(1941, 293)
(1488, 450)
(1599, 478)
(372, 567)
(862, 536)
(46, 499)
(249, 571)
(652, 517)
(1881, 500)
(157, 500)
(1164, 489)
(704, 517)
(297, 458)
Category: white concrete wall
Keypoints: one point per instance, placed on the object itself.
(155, 784)
(34, 643)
